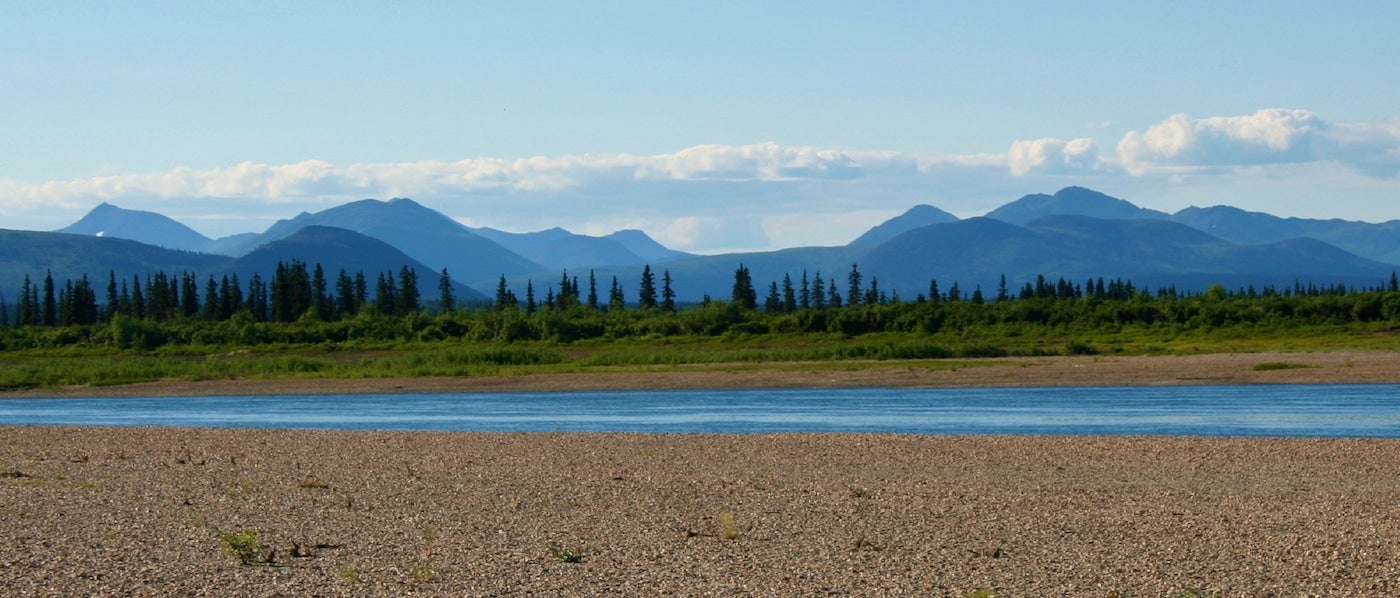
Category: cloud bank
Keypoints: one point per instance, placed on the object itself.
(742, 197)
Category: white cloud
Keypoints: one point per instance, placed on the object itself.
(1053, 156)
(711, 198)
(1271, 136)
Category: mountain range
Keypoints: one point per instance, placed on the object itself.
(1075, 233)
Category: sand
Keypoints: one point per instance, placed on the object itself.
(139, 511)
(1334, 367)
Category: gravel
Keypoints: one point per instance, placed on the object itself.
(139, 511)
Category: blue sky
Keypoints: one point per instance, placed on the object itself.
(712, 126)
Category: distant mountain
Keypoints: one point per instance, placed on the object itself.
(425, 235)
(695, 277)
(107, 220)
(1379, 242)
(917, 217)
(557, 249)
(70, 256)
(1070, 201)
(337, 249)
(1149, 252)
(643, 246)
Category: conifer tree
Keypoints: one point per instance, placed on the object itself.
(320, 296)
(138, 299)
(789, 295)
(818, 291)
(27, 311)
(112, 301)
(447, 300)
(804, 292)
(49, 314)
(592, 291)
(668, 296)
(409, 299)
(646, 295)
(503, 296)
(210, 312)
(616, 301)
(773, 303)
(853, 294)
(345, 298)
(743, 293)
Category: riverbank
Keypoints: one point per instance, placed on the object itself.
(1327, 367)
(139, 511)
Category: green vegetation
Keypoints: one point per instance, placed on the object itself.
(244, 546)
(296, 328)
(568, 554)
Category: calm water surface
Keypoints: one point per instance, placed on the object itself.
(1298, 411)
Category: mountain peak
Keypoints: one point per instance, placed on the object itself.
(1070, 201)
(918, 216)
(107, 220)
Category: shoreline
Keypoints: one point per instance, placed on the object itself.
(1323, 367)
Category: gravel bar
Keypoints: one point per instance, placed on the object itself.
(173, 511)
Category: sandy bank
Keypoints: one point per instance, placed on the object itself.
(1340, 367)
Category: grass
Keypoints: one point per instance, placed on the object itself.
(422, 572)
(567, 554)
(244, 546)
(105, 366)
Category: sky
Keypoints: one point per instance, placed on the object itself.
(713, 126)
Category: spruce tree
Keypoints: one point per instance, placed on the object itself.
(616, 301)
(668, 296)
(646, 295)
(773, 303)
(592, 291)
(447, 300)
(501, 293)
(345, 305)
(49, 314)
(743, 293)
(409, 299)
(789, 295)
(804, 292)
(112, 302)
(853, 294)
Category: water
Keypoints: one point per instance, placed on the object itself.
(1293, 411)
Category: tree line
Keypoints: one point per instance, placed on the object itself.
(162, 308)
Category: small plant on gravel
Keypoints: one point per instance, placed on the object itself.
(1197, 593)
(244, 546)
(728, 527)
(310, 482)
(980, 593)
(347, 573)
(568, 554)
(422, 572)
